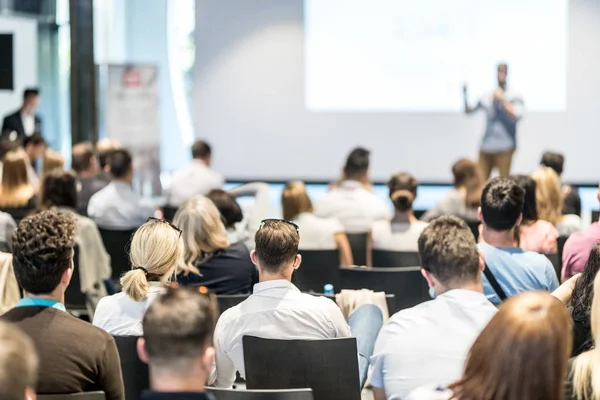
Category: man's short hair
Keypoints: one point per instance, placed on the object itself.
(178, 326)
(553, 160)
(502, 202)
(29, 92)
(18, 362)
(276, 245)
(449, 252)
(120, 163)
(81, 156)
(357, 162)
(34, 140)
(504, 66)
(43, 250)
(201, 150)
(230, 210)
(59, 189)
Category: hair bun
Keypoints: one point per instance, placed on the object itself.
(403, 199)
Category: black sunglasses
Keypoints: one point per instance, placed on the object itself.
(262, 223)
(164, 221)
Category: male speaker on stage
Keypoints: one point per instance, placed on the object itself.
(24, 122)
(503, 108)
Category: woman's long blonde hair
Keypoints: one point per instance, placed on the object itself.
(15, 190)
(586, 367)
(467, 175)
(295, 200)
(548, 195)
(52, 160)
(203, 230)
(158, 248)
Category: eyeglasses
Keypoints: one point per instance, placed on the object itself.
(164, 221)
(264, 221)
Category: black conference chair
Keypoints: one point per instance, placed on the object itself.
(419, 213)
(117, 246)
(226, 301)
(169, 213)
(284, 394)
(386, 259)
(75, 300)
(318, 268)
(474, 227)
(135, 372)
(560, 246)
(390, 299)
(358, 244)
(329, 367)
(595, 215)
(555, 260)
(406, 283)
(73, 396)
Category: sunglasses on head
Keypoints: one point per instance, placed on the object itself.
(164, 221)
(264, 221)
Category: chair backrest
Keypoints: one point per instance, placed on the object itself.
(560, 246)
(169, 213)
(406, 283)
(386, 259)
(74, 299)
(358, 244)
(390, 299)
(474, 227)
(73, 396)
(556, 263)
(226, 301)
(283, 394)
(329, 367)
(135, 372)
(595, 215)
(117, 246)
(318, 268)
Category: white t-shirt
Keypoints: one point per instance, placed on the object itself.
(397, 236)
(193, 180)
(317, 233)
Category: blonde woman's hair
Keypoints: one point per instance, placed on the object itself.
(295, 200)
(15, 190)
(548, 195)
(586, 368)
(157, 248)
(52, 160)
(203, 230)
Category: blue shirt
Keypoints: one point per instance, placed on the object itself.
(27, 302)
(500, 130)
(517, 271)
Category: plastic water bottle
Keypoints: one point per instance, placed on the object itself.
(328, 289)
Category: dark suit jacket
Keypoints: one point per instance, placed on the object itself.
(13, 122)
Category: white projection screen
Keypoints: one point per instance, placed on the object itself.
(284, 89)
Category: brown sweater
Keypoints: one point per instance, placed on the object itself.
(74, 355)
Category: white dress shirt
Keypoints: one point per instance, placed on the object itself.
(317, 233)
(28, 121)
(118, 207)
(275, 310)
(397, 236)
(428, 344)
(354, 206)
(193, 180)
(120, 315)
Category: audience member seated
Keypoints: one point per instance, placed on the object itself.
(177, 345)
(52, 160)
(521, 354)
(403, 231)
(463, 200)
(117, 206)
(197, 178)
(7, 227)
(105, 148)
(86, 166)
(317, 233)
(278, 310)
(59, 190)
(156, 253)
(516, 270)
(17, 195)
(210, 260)
(549, 202)
(535, 234)
(352, 201)
(429, 342)
(18, 364)
(577, 249)
(571, 199)
(74, 355)
(34, 146)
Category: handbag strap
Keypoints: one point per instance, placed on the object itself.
(495, 285)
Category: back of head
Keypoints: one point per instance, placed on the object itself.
(449, 252)
(276, 245)
(295, 200)
(357, 163)
(105, 148)
(203, 229)
(52, 160)
(34, 140)
(14, 171)
(467, 175)
(43, 250)
(548, 195)
(157, 247)
(403, 191)
(82, 156)
(230, 210)
(18, 363)
(120, 163)
(553, 160)
(501, 203)
(530, 211)
(59, 189)
(178, 328)
(7, 146)
(201, 150)
(521, 354)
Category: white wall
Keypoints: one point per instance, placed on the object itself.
(249, 103)
(25, 50)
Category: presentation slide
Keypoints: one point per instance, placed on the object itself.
(416, 55)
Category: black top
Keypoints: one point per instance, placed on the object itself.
(151, 395)
(582, 337)
(228, 271)
(18, 213)
(86, 188)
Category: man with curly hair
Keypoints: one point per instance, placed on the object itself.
(74, 355)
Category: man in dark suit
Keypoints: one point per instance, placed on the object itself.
(24, 122)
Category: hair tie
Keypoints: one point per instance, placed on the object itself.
(402, 193)
(143, 269)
